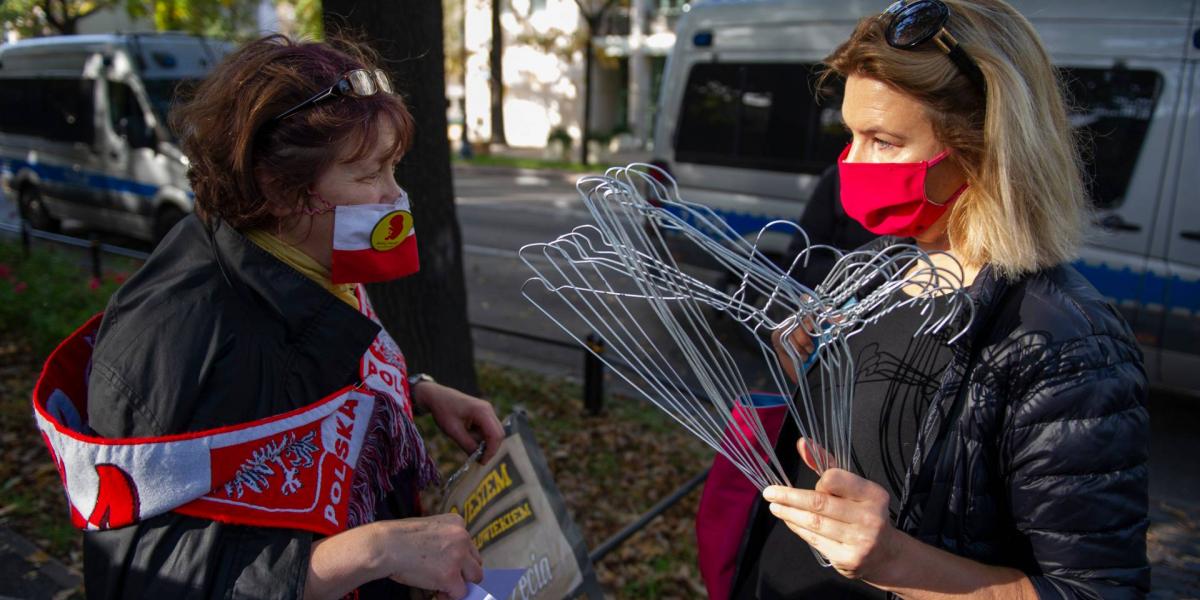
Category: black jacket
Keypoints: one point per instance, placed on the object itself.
(213, 331)
(1033, 452)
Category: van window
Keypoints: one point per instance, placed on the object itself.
(125, 115)
(758, 115)
(1111, 109)
(56, 109)
(164, 94)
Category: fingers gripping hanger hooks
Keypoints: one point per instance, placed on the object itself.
(617, 277)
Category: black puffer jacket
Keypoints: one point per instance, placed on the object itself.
(1033, 452)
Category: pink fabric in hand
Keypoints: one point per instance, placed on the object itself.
(728, 498)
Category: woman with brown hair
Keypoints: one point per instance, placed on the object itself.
(246, 350)
(1010, 463)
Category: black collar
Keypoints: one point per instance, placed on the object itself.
(310, 313)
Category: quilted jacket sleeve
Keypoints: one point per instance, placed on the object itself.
(1075, 451)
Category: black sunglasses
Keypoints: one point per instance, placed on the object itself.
(914, 23)
(358, 83)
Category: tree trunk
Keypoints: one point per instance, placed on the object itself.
(586, 126)
(464, 149)
(593, 17)
(496, 62)
(60, 21)
(426, 312)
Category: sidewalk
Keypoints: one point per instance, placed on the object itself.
(28, 572)
(597, 163)
(623, 156)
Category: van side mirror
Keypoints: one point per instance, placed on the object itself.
(149, 139)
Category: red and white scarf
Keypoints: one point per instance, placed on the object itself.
(318, 468)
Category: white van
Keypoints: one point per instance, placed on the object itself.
(739, 128)
(83, 130)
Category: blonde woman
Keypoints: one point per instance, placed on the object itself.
(1012, 463)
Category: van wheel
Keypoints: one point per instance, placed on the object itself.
(33, 209)
(167, 217)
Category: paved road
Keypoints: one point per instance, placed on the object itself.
(500, 211)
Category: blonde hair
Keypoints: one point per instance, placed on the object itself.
(1026, 206)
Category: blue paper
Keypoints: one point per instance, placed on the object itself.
(501, 582)
(497, 584)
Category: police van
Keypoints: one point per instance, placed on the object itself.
(83, 129)
(740, 130)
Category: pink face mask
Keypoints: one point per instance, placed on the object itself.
(889, 198)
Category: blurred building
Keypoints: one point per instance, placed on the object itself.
(543, 59)
(108, 19)
(114, 19)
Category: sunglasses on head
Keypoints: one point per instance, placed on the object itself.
(914, 23)
(358, 83)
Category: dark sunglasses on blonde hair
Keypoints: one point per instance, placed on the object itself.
(914, 23)
(357, 83)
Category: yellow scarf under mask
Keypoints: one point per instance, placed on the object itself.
(298, 260)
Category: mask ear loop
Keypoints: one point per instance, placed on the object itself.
(323, 206)
(962, 188)
(933, 162)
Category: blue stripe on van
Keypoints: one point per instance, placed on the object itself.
(1126, 285)
(84, 179)
(1185, 294)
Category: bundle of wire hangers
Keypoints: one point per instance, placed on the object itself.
(618, 278)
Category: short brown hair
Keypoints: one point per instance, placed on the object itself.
(241, 162)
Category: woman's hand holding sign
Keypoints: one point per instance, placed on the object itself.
(431, 553)
(465, 419)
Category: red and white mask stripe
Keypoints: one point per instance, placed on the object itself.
(374, 242)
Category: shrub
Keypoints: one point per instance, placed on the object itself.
(560, 135)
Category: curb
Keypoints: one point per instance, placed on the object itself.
(566, 176)
(26, 571)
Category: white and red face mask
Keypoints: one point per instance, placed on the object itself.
(373, 242)
(889, 198)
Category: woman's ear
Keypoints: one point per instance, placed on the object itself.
(278, 207)
(279, 210)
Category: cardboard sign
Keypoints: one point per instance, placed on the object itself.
(518, 520)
